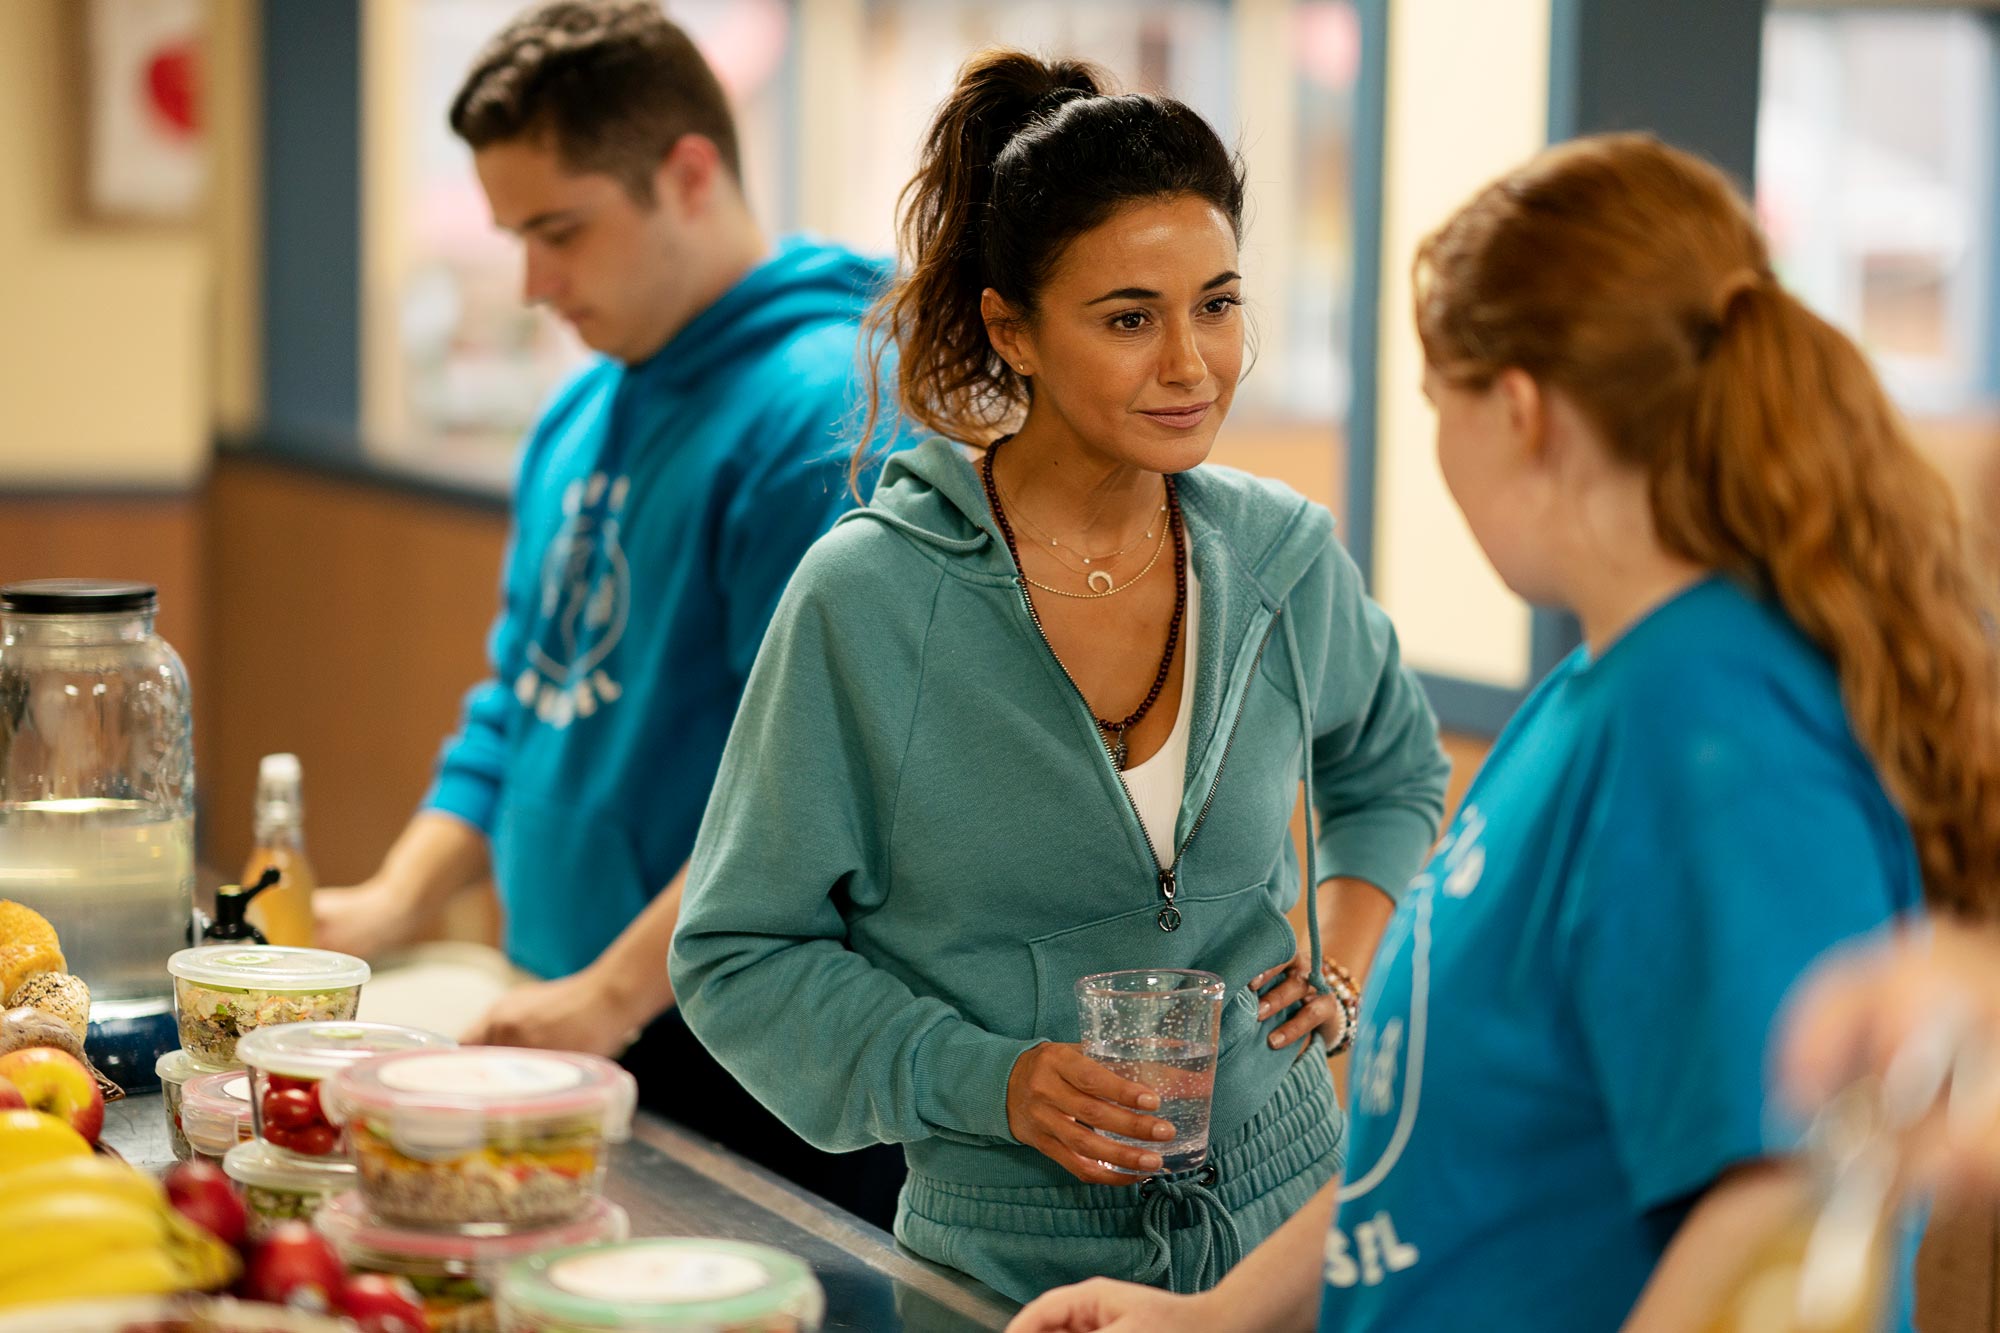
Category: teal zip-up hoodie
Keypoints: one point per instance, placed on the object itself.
(917, 842)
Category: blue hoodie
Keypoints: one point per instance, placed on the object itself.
(660, 509)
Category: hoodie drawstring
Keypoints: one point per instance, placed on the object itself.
(1163, 1202)
(1312, 811)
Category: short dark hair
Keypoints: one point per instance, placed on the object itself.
(613, 85)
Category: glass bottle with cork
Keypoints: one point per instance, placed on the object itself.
(283, 912)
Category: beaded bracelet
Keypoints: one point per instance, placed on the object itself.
(1340, 985)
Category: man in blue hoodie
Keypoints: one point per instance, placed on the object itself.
(664, 498)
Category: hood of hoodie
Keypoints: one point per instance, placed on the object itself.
(933, 495)
(805, 283)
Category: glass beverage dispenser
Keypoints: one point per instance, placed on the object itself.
(97, 799)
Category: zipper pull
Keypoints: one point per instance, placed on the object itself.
(1170, 916)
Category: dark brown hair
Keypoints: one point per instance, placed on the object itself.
(1023, 157)
(1634, 278)
(611, 84)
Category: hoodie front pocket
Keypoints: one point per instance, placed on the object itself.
(1256, 937)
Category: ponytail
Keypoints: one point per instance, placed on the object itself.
(1634, 278)
(948, 378)
(1798, 473)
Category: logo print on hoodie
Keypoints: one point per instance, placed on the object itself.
(584, 598)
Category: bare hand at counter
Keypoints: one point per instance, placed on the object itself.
(1104, 1306)
(1057, 1100)
(575, 1013)
(368, 920)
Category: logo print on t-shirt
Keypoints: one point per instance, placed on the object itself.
(1378, 1062)
(582, 601)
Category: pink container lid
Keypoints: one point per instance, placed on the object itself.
(433, 1101)
(345, 1220)
(215, 1111)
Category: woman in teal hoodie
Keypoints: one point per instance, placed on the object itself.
(1042, 709)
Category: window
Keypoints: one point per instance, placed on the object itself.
(1876, 151)
(832, 98)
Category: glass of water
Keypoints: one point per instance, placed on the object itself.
(1159, 1027)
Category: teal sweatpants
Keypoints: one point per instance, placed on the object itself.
(1181, 1233)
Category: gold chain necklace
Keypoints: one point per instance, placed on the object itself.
(1106, 558)
(1100, 581)
(1109, 589)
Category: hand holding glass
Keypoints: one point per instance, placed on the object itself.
(1159, 1027)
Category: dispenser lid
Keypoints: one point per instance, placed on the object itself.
(88, 597)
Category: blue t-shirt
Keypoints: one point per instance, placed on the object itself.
(1563, 1039)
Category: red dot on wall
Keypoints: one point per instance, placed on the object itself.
(173, 89)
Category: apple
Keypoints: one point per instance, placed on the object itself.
(381, 1304)
(56, 1083)
(296, 1266)
(201, 1193)
(11, 1098)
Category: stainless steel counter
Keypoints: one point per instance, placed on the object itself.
(677, 1185)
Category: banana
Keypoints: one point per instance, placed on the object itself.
(52, 1230)
(145, 1271)
(29, 1137)
(53, 1242)
(79, 1176)
(205, 1263)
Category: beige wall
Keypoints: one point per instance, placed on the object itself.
(119, 345)
(1467, 98)
(102, 335)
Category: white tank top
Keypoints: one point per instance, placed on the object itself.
(1158, 784)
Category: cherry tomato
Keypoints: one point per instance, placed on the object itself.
(294, 1265)
(290, 1108)
(381, 1304)
(314, 1140)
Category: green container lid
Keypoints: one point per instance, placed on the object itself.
(662, 1286)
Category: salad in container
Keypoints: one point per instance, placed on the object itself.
(288, 1064)
(662, 1286)
(455, 1275)
(481, 1139)
(222, 991)
(278, 1187)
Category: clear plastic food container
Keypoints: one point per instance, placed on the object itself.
(278, 1187)
(173, 1070)
(481, 1139)
(288, 1064)
(456, 1275)
(215, 1113)
(222, 991)
(662, 1286)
